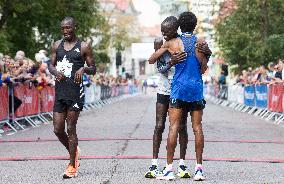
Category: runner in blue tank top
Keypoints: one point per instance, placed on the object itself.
(187, 87)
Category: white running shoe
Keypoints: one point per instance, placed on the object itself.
(199, 174)
(166, 175)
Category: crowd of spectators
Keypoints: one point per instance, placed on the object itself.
(24, 70)
(273, 74)
(106, 80)
(21, 69)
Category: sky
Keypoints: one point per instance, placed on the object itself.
(149, 12)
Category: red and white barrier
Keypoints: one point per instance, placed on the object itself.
(37, 104)
(4, 103)
(30, 100)
(275, 98)
(47, 95)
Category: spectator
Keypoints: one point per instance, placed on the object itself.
(261, 75)
(279, 75)
(250, 74)
(144, 86)
(271, 70)
(45, 59)
(222, 78)
(243, 79)
(39, 57)
(222, 86)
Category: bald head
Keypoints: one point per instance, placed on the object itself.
(170, 22)
(169, 27)
(68, 20)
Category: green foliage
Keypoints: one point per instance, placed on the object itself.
(122, 32)
(253, 34)
(274, 46)
(122, 39)
(101, 57)
(20, 19)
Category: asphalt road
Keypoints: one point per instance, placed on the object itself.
(116, 147)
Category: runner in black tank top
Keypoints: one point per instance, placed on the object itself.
(67, 64)
(67, 91)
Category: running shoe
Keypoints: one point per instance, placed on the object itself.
(71, 172)
(77, 157)
(165, 175)
(199, 175)
(152, 172)
(183, 172)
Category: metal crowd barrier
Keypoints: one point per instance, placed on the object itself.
(97, 96)
(4, 107)
(37, 104)
(264, 101)
(33, 106)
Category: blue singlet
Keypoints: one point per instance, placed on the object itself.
(187, 83)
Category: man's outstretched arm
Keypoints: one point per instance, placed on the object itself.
(156, 55)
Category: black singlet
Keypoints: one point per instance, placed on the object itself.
(69, 62)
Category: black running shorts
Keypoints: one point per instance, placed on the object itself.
(62, 105)
(189, 106)
(163, 99)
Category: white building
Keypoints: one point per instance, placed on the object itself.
(140, 54)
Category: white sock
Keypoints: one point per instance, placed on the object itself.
(181, 162)
(169, 167)
(154, 161)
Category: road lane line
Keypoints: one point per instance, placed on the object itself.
(135, 139)
(19, 158)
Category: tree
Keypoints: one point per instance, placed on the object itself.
(101, 57)
(31, 25)
(122, 36)
(253, 34)
(121, 27)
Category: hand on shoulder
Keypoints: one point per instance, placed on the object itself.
(202, 47)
